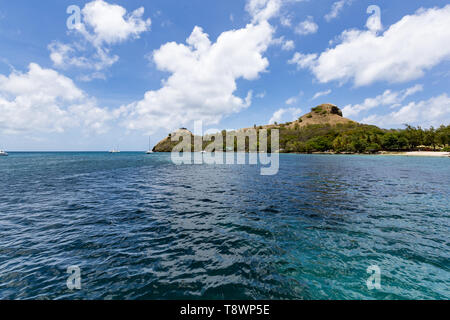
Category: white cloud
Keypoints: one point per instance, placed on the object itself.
(288, 45)
(321, 94)
(263, 10)
(303, 60)
(410, 91)
(336, 9)
(280, 115)
(291, 101)
(260, 95)
(110, 24)
(60, 54)
(65, 56)
(286, 21)
(307, 27)
(402, 53)
(103, 25)
(388, 98)
(432, 112)
(46, 101)
(203, 78)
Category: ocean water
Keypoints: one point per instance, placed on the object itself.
(140, 227)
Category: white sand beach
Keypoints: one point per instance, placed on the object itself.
(418, 154)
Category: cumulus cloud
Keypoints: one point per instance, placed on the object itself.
(263, 10)
(321, 94)
(388, 98)
(285, 114)
(286, 21)
(307, 27)
(303, 60)
(66, 55)
(407, 49)
(432, 112)
(45, 101)
(102, 25)
(110, 24)
(286, 45)
(336, 9)
(203, 78)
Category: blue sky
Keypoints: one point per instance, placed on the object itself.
(130, 69)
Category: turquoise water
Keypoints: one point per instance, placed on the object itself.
(140, 227)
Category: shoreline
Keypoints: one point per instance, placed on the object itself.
(434, 154)
(417, 154)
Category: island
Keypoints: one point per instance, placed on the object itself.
(325, 130)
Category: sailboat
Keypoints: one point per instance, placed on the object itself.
(149, 151)
(116, 150)
(3, 153)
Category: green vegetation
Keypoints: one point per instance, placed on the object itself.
(347, 138)
(323, 110)
(358, 138)
(325, 130)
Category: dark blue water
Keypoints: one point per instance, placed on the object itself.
(140, 227)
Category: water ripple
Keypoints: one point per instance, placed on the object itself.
(140, 227)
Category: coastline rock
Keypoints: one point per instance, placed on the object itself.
(166, 145)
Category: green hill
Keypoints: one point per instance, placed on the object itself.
(324, 129)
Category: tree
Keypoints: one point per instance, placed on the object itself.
(431, 138)
(373, 148)
(402, 143)
(443, 135)
(413, 135)
(339, 144)
(322, 143)
(390, 141)
(336, 110)
(359, 144)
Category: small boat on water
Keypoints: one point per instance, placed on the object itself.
(149, 151)
(115, 150)
(3, 153)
